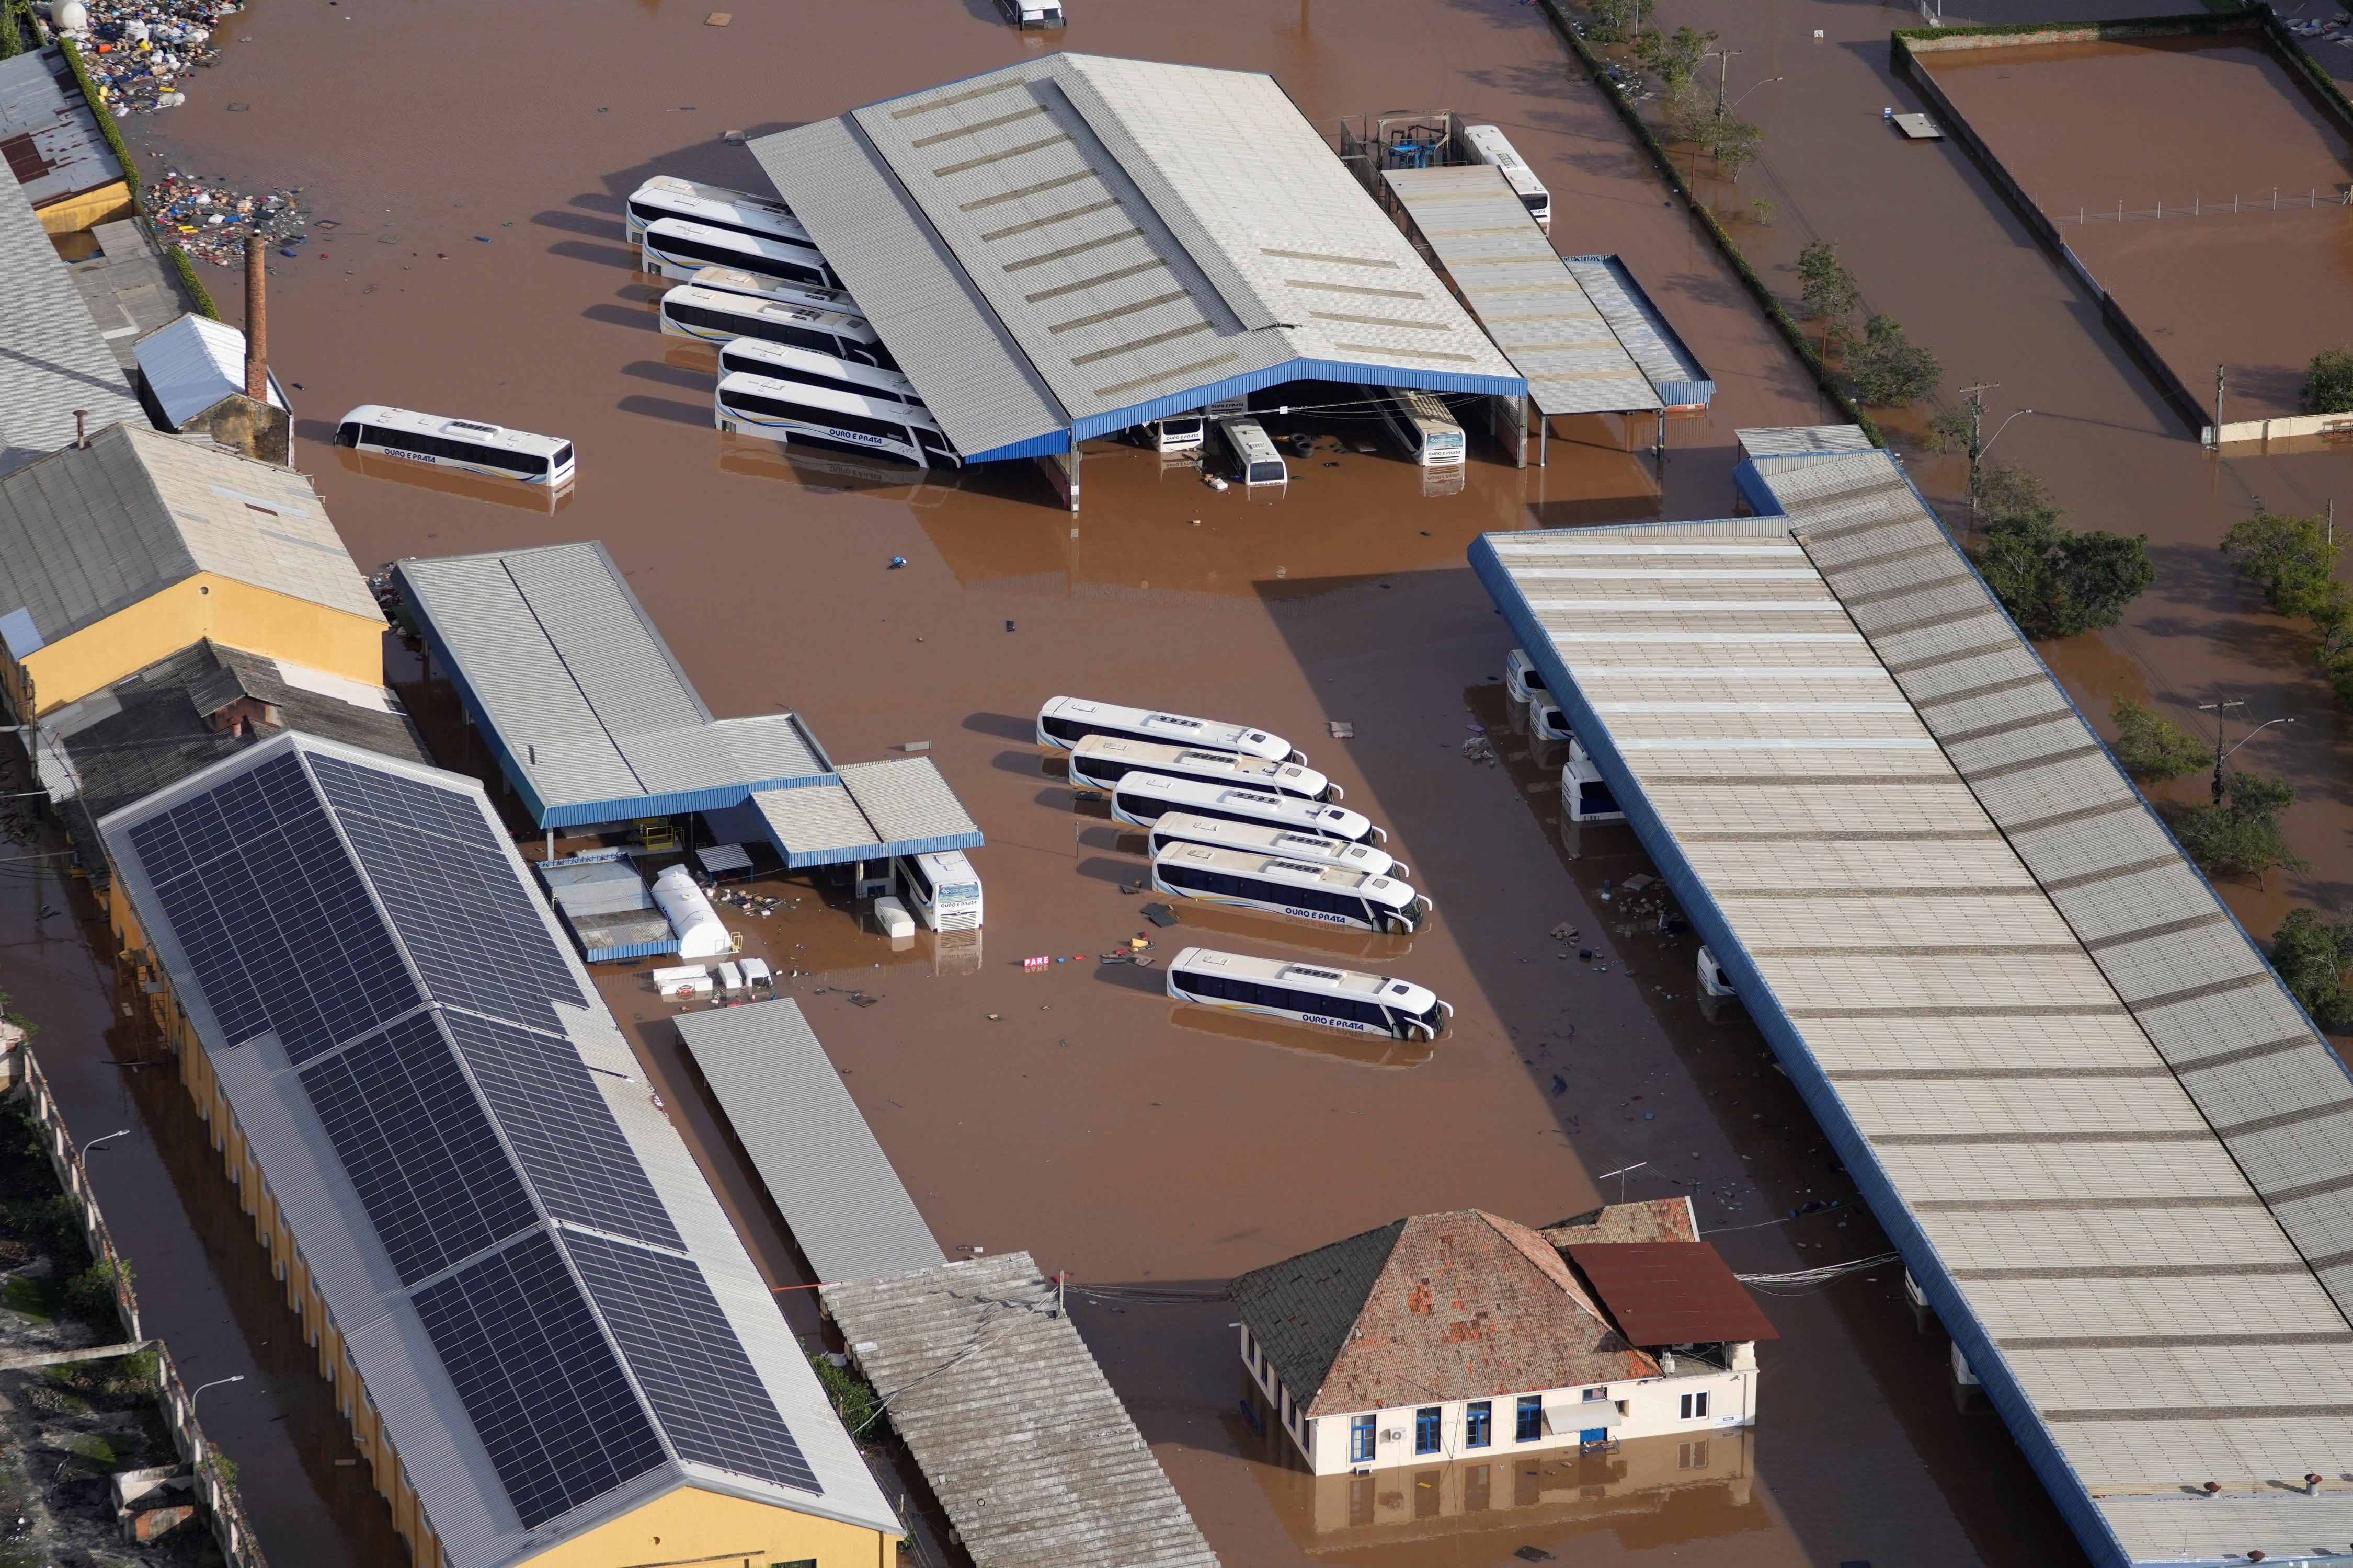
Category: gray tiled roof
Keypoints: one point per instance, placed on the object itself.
(1964, 934)
(85, 533)
(787, 1106)
(52, 360)
(1065, 241)
(41, 102)
(898, 807)
(1011, 1421)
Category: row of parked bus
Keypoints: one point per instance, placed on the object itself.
(797, 362)
(1235, 817)
(1584, 795)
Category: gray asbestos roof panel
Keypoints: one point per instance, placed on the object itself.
(1011, 1421)
(57, 362)
(1848, 765)
(788, 1108)
(1526, 296)
(907, 800)
(62, 146)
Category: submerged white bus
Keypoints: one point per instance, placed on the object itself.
(789, 362)
(1420, 423)
(707, 314)
(1140, 799)
(1273, 884)
(1064, 722)
(667, 195)
(1177, 433)
(1584, 795)
(942, 889)
(1256, 462)
(732, 280)
(1522, 678)
(798, 414)
(1266, 838)
(674, 247)
(1488, 145)
(1100, 761)
(460, 444)
(1336, 999)
(1546, 722)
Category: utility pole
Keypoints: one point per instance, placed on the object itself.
(1973, 400)
(2220, 709)
(1724, 76)
(2218, 407)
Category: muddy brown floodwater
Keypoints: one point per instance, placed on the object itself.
(2198, 181)
(472, 161)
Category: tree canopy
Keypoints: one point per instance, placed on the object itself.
(2054, 581)
(2152, 747)
(1888, 370)
(2312, 956)
(2329, 382)
(2241, 835)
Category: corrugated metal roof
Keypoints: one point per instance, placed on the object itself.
(588, 710)
(192, 363)
(56, 360)
(1011, 1421)
(1859, 861)
(86, 532)
(48, 134)
(1671, 369)
(1085, 242)
(425, 1418)
(1529, 300)
(786, 1103)
(1671, 1293)
(898, 807)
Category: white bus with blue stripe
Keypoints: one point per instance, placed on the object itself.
(714, 206)
(712, 316)
(466, 446)
(1100, 761)
(1064, 722)
(789, 362)
(674, 247)
(800, 415)
(1304, 889)
(729, 280)
(1422, 426)
(1309, 993)
(1265, 838)
(1140, 799)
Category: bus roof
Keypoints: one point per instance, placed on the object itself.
(1308, 976)
(482, 435)
(832, 322)
(729, 280)
(1270, 836)
(1172, 727)
(1384, 888)
(817, 396)
(790, 357)
(687, 198)
(1243, 765)
(795, 247)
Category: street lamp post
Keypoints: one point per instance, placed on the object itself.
(2221, 710)
(108, 1138)
(206, 1447)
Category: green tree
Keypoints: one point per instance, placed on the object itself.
(1826, 289)
(2312, 956)
(853, 1398)
(2329, 382)
(1614, 21)
(2291, 559)
(91, 1294)
(1734, 144)
(2240, 836)
(2054, 581)
(1673, 57)
(1888, 369)
(2152, 747)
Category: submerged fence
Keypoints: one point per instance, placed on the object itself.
(230, 1527)
(2200, 207)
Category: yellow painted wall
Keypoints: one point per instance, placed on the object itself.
(87, 210)
(258, 620)
(709, 1531)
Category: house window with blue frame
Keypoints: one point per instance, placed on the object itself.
(1479, 1424)
(1531, 1426)
(1429, 1429)
(1360, 1438)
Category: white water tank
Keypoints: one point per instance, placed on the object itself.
(69, 16)
(699, 932)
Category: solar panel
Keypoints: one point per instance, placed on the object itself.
(542, 1387)
(571, 1148)
(271, 914)
(413, 1140)
(689, 1360)
(473, 929)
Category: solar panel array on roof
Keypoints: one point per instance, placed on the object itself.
(432, 1026)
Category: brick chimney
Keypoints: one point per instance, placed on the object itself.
(257, 324)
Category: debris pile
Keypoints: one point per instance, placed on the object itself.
(211, 222)
(140, 52)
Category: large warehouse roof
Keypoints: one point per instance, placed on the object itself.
(1079, 244)
(545, 1302)
(590, 716)
(2072, 1091)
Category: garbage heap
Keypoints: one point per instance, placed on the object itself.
(140, 52)
(211, 222)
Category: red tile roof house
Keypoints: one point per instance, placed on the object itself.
(1453, 1336)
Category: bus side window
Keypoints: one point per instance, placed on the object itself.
(924, 889)
(347, 434)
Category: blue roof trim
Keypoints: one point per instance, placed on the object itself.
(1036, 447)
(675, 803)
(842, 854)
(2034, 1438)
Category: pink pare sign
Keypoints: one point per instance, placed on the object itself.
(1036, 962)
